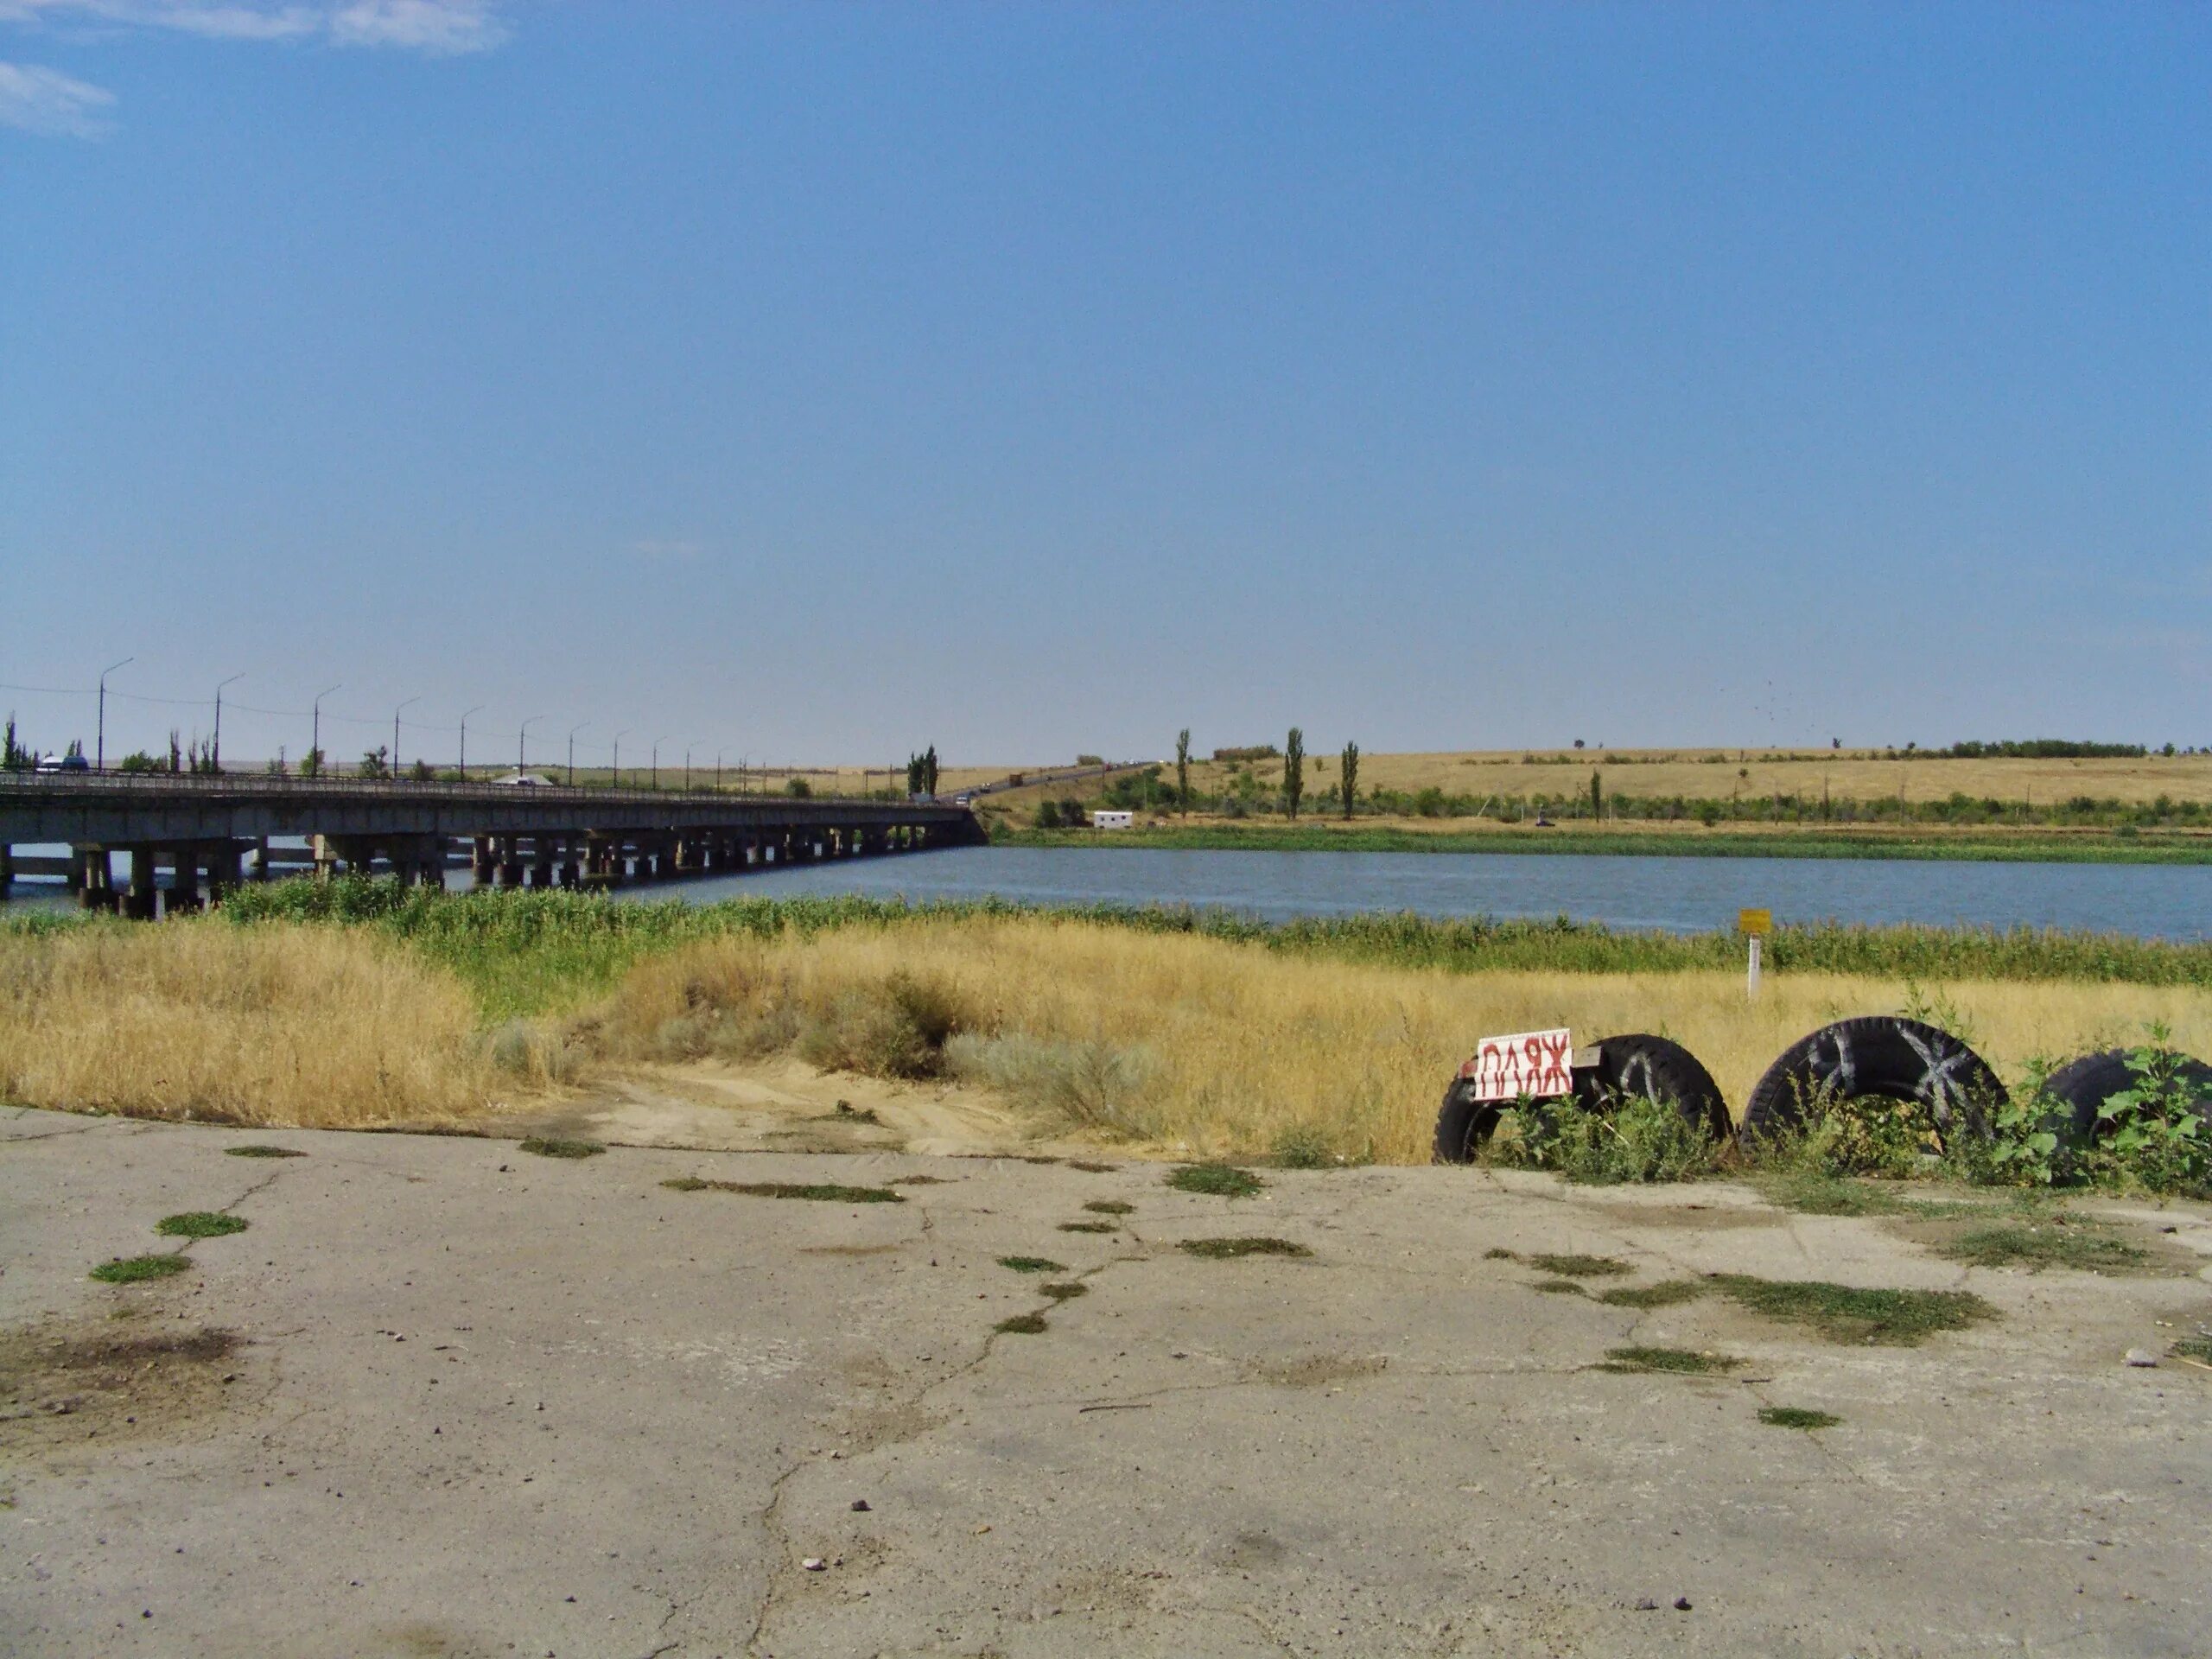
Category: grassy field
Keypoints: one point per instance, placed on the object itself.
(1319, 832)
(1191, 1033)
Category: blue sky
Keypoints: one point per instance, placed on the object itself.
(821, 381)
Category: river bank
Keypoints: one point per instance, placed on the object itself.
(2025, 844)
(351, 1005)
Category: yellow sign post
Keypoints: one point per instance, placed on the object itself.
(1754, 925)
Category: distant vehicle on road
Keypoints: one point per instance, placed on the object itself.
(524, 780)
(64, 763)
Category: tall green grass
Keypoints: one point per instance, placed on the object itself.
(529, 952)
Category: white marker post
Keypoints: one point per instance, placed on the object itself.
(1754, 925)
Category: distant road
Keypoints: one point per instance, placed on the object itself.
(1031, 779)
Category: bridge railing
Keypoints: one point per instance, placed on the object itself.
(108, 785)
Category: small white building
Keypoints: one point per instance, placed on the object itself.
(1113, 820)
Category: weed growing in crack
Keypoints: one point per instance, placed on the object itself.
(199, 1223)
(1797, 1417)
(1681, 1362)
(1022, 1324)
(1579, 1267)
(1032, 1264)
(1222, 1249)
(1895, 1318)
(547, 1148)
(262, 1152)
(136, 1269)
(1668, 1292)
(1217, 1181)
(820, 1192)
(2060, 1243)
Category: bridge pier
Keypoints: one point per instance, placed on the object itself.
(223, 870)
(184, 879)
(139, 901)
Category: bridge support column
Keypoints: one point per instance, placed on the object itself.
(139, 904)
(184, 881)
(542, 850)
(223, 871)
(7, 868)
(95, 878)
(326, 857)
(482, 859)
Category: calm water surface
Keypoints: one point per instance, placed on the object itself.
(1680, 895)
(1674, 894)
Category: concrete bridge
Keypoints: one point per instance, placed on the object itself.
(510, 836)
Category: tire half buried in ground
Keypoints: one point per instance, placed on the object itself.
(1636, 1064)
(1883, 1057)
(1642, 1067)
(2083, 1085)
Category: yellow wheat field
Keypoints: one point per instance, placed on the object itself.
(308, 1027)
(1231, 1050)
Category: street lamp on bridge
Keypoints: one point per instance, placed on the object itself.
(619, 736)
(315, 743)
(522, 741)
(657, 741)
(395, 712)
(478, 709)
(100, 741)
(572, 751)
(216, 754)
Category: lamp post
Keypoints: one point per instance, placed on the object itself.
(572, 751)
(478, 709)
(521, 741)
(687, 771)
(395, 712)
(315, 744)
(657, 743)
(100, 742)
(619, 736)
(217, 753)
(718, 772)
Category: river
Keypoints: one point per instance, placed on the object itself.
(1680, 895)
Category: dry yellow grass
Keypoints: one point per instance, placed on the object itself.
(1852, 774)
(307, 1026)
(1202, 1046)
(1192, 1046)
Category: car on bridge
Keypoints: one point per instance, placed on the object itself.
(524, 780)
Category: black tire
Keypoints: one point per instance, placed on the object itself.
(1463, 1123)
(1656, 1070)
(1882, 1057)
(2081, 1086)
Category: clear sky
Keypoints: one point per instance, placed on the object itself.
(824, 380)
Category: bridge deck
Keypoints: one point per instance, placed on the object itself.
(115, 811)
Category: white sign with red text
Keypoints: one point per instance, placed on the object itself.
(1537, 1063)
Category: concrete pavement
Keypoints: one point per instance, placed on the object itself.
(444, 1397)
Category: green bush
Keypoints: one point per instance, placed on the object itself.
(1634, 1140)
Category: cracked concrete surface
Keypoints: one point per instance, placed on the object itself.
(485, 1403)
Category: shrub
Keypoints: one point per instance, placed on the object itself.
(896, 1029)
(1091, 1082)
